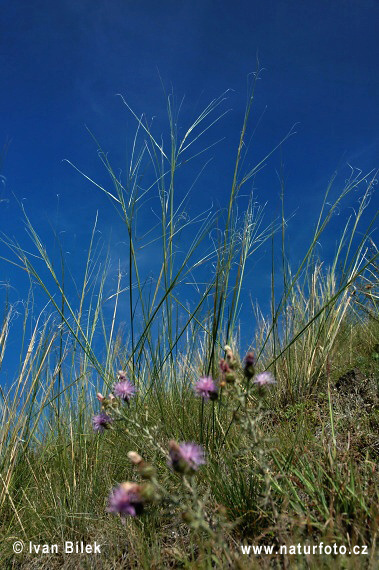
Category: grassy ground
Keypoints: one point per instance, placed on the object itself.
(290, 463)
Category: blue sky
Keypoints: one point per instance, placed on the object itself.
(62, 64)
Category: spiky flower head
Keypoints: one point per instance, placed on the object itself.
(101, 422)
(264, 379)
(126, 499)
(185, 458)
(124, 390)
(206, 388)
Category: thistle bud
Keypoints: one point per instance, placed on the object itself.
(230, 358)
(230, 377)
(134, 457)
(148, 492)
(249, 369)
(224, 366)
(146, 470)
(109, 402)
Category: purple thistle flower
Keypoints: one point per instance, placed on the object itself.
(124, 390)
(101, 422)
(186, 457)
(126, 499)
(264, 378)
(206, 388)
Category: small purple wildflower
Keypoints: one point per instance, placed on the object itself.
(124, 390)
(264, 378)
(185, 457)
(206, 388)
(126, 499)
(101, 422)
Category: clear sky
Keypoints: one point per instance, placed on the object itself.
(62, 64)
